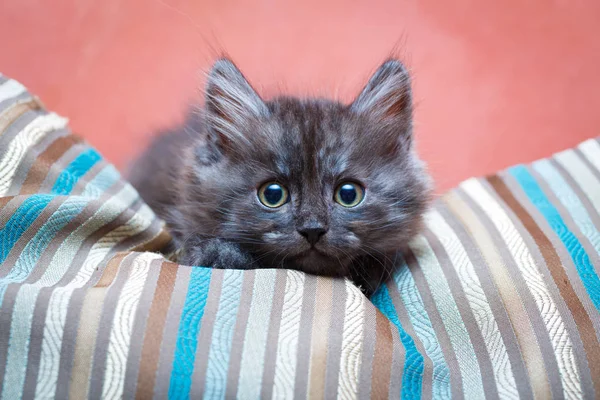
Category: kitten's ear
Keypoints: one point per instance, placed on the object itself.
(231, 103)
(387, 98)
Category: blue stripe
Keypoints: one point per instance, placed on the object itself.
(576, 251)
(76, 169)
(31, 209)
(20, 221)
(34, 248)
(412, 374)
(569, 200)
(407, 289)
(187, 335)
(222, 337)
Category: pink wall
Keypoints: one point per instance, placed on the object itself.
(496, 82)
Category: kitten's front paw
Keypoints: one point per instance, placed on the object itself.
(216, 253)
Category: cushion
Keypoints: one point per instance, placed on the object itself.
(499, 297)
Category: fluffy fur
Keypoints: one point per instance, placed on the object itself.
(203, 178)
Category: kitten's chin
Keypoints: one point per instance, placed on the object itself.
(316, 262)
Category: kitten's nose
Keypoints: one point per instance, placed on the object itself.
(312, 233)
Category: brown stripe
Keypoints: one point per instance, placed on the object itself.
(399, 359)
(141, 327)
(268, 380)
(207, 325)
(89, 322)
(3, 202)
(59, 166)
(154, 331)
(383, 358)
(304, 337)
(14, 112)
(532, 353)
(494, 300)
(368, 351)
(30, 158)
(320, 335)
(158, 243)
(581, 317)
(29, 233)
(169, 333)
(456, 378)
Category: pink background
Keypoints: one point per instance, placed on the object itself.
(496, 82)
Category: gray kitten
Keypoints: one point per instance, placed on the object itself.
(308, 184)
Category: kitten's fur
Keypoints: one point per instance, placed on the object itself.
(203, 178)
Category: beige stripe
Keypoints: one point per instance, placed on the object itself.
(582, 175)
(553, 321)
(257, 330)
(10, 89)
(13, 112)
(91, 311)
(287, 351)
(530, 349)
(476, 298)
(351, 342)
(60, 297)
(578, 321)
(120, 335)
(320, 335)
(591, 149)
(29, 136)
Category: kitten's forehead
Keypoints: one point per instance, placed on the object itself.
(309, 136)
(319, 139)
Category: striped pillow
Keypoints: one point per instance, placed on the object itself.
(499, 297)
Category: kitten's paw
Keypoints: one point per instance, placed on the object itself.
(217, 253)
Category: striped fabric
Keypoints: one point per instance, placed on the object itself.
(498, 298)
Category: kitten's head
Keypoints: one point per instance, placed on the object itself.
(310, 184)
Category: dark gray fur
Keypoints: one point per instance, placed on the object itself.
(203, 178)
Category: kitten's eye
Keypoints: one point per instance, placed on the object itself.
(349, 194)
(273, 195)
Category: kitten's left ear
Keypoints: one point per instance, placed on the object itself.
(387, 98)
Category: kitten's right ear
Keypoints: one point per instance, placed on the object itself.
(231, 103)
(387, 97)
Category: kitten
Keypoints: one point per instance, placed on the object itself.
(307, 184)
